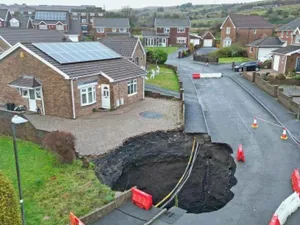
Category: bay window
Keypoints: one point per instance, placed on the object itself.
(132, 87)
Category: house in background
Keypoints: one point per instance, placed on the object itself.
(287, 59)
(4, 17)
(11, 36)
(195, 39)
(103, 27)
(208, 39)
(263, 47)
(244, 29)
(290, 33)
(168, 32)
(75, 32)
(51, 20)
(70, 83)
(20, 21)
(130, 48)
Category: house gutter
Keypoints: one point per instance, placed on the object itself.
(73, 101)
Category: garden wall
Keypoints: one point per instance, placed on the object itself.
(249, 76)
(24, 131)
(266, 86)
(284, 82)
(205, 59)
(288, 102)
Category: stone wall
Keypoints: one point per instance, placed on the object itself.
(284, 82)
(287, 101)
(249, 76)
(266, 86)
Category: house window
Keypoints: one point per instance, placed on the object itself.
(132, 87)
(88, 95)
(92, 14)
(181, 40)
(83, 14)
(100, 14)
(122, 30)
(254, 31)
(29, 13)
(100, 30)
(297, 39)
(83, 20)
(251, 49)
(283, 59)
(287, 34)
(180, 30)
(75, 18)
(38, 94)
(14, 23)
(114, 30)
(24, 93)
(74, 14)
(43, 27)
(228, 29)
(60, 27)
(282, 34)
(166, 30)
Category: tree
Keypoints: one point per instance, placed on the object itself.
(160, 56)
(9, 207)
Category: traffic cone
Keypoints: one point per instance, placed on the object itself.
(240, 156)
(284, 136)
(254, 124)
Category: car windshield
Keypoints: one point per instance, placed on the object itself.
(243, 64)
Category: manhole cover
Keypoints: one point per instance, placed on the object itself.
(151, 115)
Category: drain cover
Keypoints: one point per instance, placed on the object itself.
(151, 115)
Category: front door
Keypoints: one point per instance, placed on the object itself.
(32, 101)
(163, 43)
(298, 65)
(105, 96)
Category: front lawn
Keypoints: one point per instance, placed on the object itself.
(166, 79)
(51, 189)
(234, 59)
(168, 50)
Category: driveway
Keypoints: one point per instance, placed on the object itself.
(100, 132)
(205, 51)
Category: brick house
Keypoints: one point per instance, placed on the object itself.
(103, 27)
(263, 47)
(4, 17)
(51, 20)
(10, 36)
(71, 82)
(168, 32)
(244, 29)
(130, 48)
(287, 59)
(290, 33)
(208, 39)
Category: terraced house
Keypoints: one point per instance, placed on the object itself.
(168, 32)
(51, 20)
(290, 33)
(103, 27)
(68, 79)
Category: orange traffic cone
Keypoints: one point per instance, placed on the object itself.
(240, 154)
(284, 136)
(254, 124)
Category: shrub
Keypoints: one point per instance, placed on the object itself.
(9, 207)
(232, 51)
(267, 64)
(297, 77)
(157, 55)
(62, 144)
(280, 76)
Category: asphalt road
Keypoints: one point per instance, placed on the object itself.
(264, 180)
(205, 51)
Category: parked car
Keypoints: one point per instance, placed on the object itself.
(250, 66)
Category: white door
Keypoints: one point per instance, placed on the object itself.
(163, 42)
(105, 93)
(31, 100)
(208, 43)
(276, 62)
(264, 52)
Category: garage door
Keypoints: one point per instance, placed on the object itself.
(265, 51)
(208, 43)
(276, 62)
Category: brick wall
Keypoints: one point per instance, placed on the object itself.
(232, 34)
(291, 62)
(264, 85)
(174, 34)
(285, 36)
(93, 31)
(140, 54)
(245, 36)
(3, 45)
(56, 89)
(252, 54)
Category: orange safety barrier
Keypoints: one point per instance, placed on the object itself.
(274, 220)
(74, 220)
(141, 199)
(296, 181)
(196, 75)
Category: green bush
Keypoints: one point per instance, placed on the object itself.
(157, 56)
(9, 207)
(232, 51)
(280, 76)
(267, 64)
(297, 77)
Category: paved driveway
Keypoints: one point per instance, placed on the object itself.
(100, 132)
(205, 51)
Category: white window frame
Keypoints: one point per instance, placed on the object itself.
(38, 90)
(43, 26)
(282, 34)
(60, 27)
(228, 30)
(181, 40)
(251, 49)
(92, 14)
(74, 13)
(181, 30)
(132, 87)
(254, 31)
(297, 38)
(85, 91)
(100, 14)
(100, 30)
(83, 20)
(83, 14)
(27, 92)
(114, 30)
(14, 23)
(167, 30)
(287, 34)
(122, 30)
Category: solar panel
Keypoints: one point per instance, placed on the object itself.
(70, 52)
(48, 15)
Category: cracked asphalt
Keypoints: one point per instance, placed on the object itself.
(264, 179)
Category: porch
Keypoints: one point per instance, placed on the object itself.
(153, 39)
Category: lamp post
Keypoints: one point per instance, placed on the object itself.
(16, 120)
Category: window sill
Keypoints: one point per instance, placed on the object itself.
(132, 94)
(88, 104)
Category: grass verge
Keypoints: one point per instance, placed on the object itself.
(234, 59)
(50, 189)
(168, 50)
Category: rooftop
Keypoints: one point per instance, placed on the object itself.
(288, 49)
(291, 26)
(250, 21)
(111, 22)
(267, 42)
(178, 22)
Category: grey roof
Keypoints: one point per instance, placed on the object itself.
(118, 34)
(250, 21)
(267, 42)
(178, 22)
(3, 13)
(287, 49)
(122, 45)
(118, 69)
(23, 20)
(291, 26)
(51, 17)
(13, 36)
(89, 10)
(75, 27)
(111, 22)
(58, 7)
(152, 33)
(25, 81)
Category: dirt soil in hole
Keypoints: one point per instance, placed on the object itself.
(155, 162)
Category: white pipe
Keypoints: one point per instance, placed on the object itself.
(73, 102)
(43, 105)
(143, 87)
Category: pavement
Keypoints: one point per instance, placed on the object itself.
(149, 87)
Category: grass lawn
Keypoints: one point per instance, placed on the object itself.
(50, 189)
(166, 79)
(234, 59)
(168, 50)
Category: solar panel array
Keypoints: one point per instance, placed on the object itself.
(46, 15)
(65, 53)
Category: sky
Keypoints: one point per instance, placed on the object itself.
(117, 4)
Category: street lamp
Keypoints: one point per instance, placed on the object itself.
(15, 121)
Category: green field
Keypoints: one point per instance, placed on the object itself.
(51, 189)
(168, 50)
(167, 79)
(234, 59)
